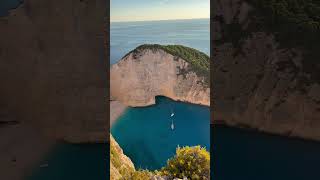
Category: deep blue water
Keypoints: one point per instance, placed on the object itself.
(125, 36)
(146, 137)
(69, 161)
(6, 5)
(249, 155)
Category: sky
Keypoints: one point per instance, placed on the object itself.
(147, 10)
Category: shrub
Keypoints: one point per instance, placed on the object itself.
(199, 61)
(189, 162)
(141, 175)
(295, 23)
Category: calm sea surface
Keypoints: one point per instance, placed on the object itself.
(248, 155)
(79, 162)
(146, 137)
(125, 36)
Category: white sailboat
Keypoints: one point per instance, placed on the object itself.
(172, 125)
(172, 114)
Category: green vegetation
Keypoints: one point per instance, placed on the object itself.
(199, 61)
(115, 159)
(296, 24)
(189, 162)
(141, 175)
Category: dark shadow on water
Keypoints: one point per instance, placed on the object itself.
(7, 5)
(239, 154)
(69, 161)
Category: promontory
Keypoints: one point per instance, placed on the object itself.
(174, 71)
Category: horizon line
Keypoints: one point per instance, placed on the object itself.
(158, 20)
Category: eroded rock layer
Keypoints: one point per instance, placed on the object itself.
(258, 81)
(141, 76)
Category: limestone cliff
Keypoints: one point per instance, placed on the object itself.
(120, 165)
(154, 70)
(262, 78)
(52, 67)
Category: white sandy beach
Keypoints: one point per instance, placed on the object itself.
(116, 109)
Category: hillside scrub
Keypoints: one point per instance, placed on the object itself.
(189, 162)
(199, 61)
(295, 24)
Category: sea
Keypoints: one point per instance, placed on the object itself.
(73, 161)
(125, 36)
(146, 136)
(237, 154)
(145, 133)
(240, 154)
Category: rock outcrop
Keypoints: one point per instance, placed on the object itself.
(258, 80)
(120, 165)
(53, 67)
(150, 71)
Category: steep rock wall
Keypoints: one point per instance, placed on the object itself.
(53, 67)
(259, 83)
(120, 164)
(138, 78)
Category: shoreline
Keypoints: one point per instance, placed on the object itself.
(248, 128)
(116, 110)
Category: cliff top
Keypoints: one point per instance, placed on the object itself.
(199, 61)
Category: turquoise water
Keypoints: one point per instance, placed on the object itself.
(125, 36)
(249, 155)
(69, 161)
(144, 133)
(146, 137)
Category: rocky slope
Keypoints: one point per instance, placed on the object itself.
(120, 165)
(260, 80)
(154, 70)
(52, 67)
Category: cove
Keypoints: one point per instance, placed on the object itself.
(74, 161)
(145, 135)
(250, 155)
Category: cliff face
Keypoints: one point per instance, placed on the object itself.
(141, 76)
(52, 67)
(120, 165)
(259, 81)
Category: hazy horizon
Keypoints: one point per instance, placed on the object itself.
(159, 20)
(158, 10)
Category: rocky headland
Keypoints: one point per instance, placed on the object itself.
(266, 66)
(177, 72)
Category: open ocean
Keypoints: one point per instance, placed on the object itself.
(125, 36)
(237, 154)
(144, 133)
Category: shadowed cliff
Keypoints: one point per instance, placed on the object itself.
(265, 65)
(53, 68)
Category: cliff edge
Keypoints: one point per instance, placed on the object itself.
(174, 71)
(266, 66)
